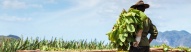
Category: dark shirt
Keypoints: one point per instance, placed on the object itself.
(148, 27)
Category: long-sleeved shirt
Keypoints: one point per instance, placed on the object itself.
(148, 27)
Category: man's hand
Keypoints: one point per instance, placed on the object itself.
(135, 44)
(150, 40)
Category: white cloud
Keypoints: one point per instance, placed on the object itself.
(15, 4)
(51, 1)
(89, 3)
(19, 4)
(154, 5)
(36, 5)
(14, 18)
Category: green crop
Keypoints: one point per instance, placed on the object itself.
(55, 44)
(167, 48)
(11, 45)
(125, 27)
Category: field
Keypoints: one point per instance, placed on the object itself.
(13, 45)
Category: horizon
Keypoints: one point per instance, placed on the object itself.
(85, 19)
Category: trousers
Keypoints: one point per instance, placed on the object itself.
(139, 49)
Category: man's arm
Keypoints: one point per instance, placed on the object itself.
(138, 38)
(153, 31)
(150, 40)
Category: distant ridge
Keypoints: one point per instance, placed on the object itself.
(14, 36)
(173, 38)
(9, 37)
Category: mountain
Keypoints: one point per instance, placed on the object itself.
(14, 36)
(9, 37)
(173, 38)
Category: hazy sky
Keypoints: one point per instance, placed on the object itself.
(84, 19)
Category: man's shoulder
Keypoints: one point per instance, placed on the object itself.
(148, 19)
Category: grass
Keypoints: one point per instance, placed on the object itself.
(11, 45)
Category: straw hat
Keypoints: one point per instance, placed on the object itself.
(141, 3)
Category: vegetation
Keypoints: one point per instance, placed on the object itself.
(11, 45)
(167, 48)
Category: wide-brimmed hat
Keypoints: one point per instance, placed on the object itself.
(141, 3)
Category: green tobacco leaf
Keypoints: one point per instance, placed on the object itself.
(141, 26)
(143, 16)
(122, 37)
(130, 28)
(120, 29)
(134, 10)
(118, 22)
(133, 14)
(130, 39)
(128, 14)
(125, 30)
(129, 20)
(125, 34)
(121, 43)
(135, 20)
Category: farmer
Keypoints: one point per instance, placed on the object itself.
(142, 43)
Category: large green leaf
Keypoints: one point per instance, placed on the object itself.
(135, 20)
(121, 43)
(120, 29)
(130, 28)
(130, 39)
(129, 20)
(125, 30)
(122, 37)
(125, 34)
(143, 16)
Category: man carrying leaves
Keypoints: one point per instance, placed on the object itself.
(132, 28)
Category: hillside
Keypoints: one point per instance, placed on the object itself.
(173, 38)
(8, 37)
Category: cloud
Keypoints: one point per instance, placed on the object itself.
(36, 5)
(153, 4)
(18, 4)
(88, 3)
(51, 1)
(15, 4)
(14, 18)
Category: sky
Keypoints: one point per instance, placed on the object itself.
(84, 19)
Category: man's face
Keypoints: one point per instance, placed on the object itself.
(141, 8)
